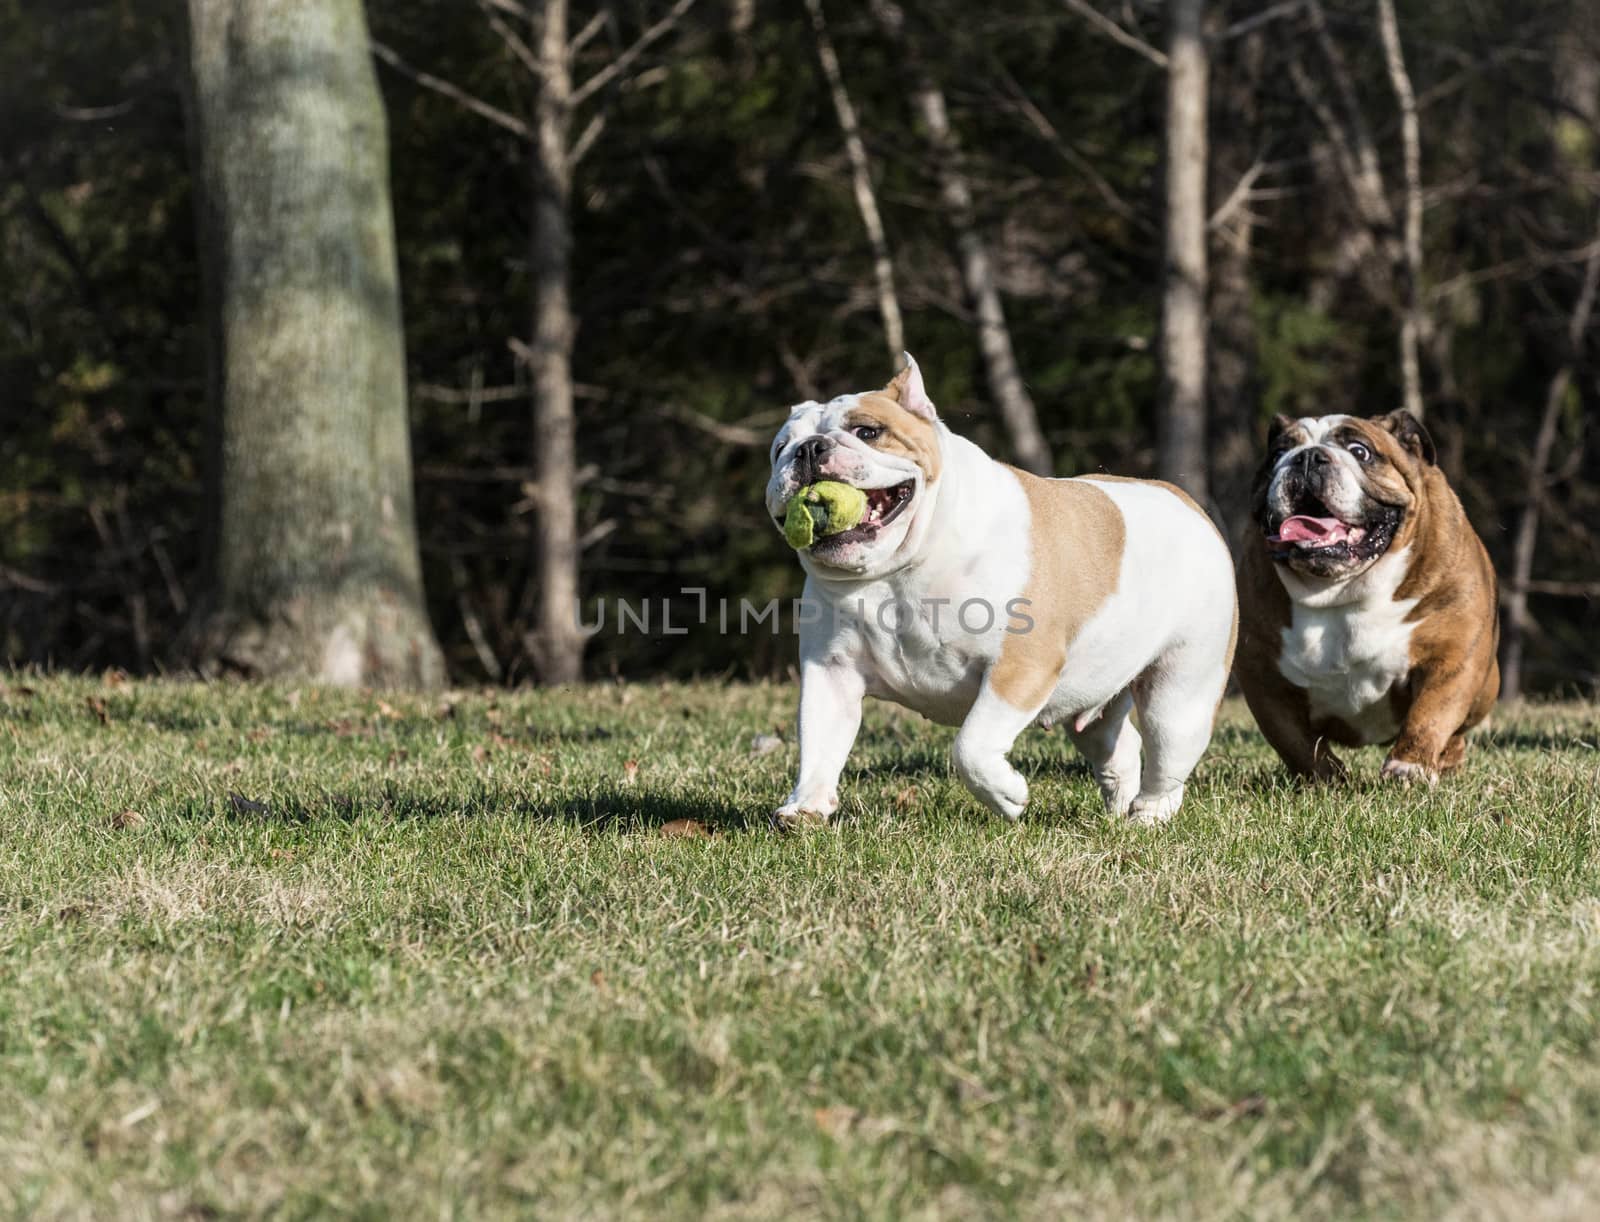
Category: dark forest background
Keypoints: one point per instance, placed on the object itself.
(720, 270)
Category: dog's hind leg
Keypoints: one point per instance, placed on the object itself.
(1177, 701)
(1110, 746)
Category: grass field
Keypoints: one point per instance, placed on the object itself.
(297, 952)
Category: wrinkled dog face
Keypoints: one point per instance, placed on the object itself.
(885, 442)
(1336, 492)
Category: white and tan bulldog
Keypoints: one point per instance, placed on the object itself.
(987, 598)
(1368, 603)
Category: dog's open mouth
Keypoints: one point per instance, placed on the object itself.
(884, 505)
(1318, 536)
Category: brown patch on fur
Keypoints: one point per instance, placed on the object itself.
(1074, 565)
(1455, 673)
(1454, 676)
(903, 432)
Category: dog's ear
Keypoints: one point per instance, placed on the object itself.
(1408, 431)
(1275, 430)
(906, 389)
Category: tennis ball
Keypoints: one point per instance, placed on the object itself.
(825, 508)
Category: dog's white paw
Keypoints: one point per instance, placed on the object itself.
(1406, 772)
(1010, 803)
(804, 815)
(992, 780)
(1001, 789)
(1151, 812)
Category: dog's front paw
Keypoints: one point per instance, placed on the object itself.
(991, 779)
(1405, 772)
(1152, 812)
(1002, 789)
(800, 817)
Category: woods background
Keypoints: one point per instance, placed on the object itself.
(1117, 236)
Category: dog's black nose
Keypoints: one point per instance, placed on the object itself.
(808, 459)
(1315, 457)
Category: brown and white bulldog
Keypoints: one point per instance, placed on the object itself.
(1367, 602)
(987, 598)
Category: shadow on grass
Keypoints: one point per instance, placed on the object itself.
(1532, 740)
(603, 811)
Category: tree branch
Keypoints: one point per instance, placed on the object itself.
(1236, 197)
(1047, 130)
(586, 138)
(586, 35)
(624, 61)
(861, 181)
(519, 48)
(460, 96)
(1240, 28)
(1115, 32)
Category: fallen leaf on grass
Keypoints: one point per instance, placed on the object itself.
(630, 774)
(906, 798)
(398, 756)
(246, 806)
(480, 753)
(116, 677)
(598, 979)
(385, 709)
(260, 734)
(97, 706)
(765, 744)
(124, 819)
(685, 829)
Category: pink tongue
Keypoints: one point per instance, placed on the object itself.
(1303, 529)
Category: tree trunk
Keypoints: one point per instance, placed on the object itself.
(1411, 318)
(977, 271)
(1234, 422)
(557, 642)
(317, 569)
(1516, 621)
(1181, 425)
(861, 180)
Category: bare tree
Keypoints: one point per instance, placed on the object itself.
(861, 182)
(556, 643)
(1388, 255)
(977, 269)
(317, 570)
(1516, 620)
(1181, 424)
(1411, 318)
(1232, 374)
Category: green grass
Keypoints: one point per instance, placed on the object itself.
(454, 968)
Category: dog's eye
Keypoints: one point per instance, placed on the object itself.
(1362, 454)
(867, 432)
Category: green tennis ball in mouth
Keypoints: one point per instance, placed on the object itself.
(825, 508)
